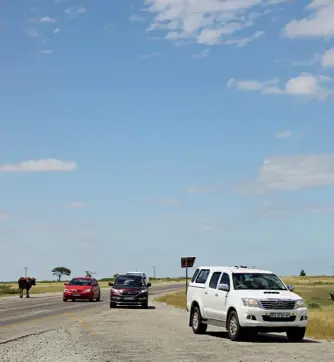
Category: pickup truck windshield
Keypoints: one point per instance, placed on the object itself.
(258, 281)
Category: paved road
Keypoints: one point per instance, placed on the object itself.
(14, 310)
(157, 334)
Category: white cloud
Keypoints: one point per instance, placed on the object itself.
(32, 32)
(292, 172)
(307, 63)
(168, 202)
(136, 18)
(204, 21)
(306, 84)
(76, 205)
(201, 189)
(283, 134)
(327, 59)
(4, 216)
(202, 54)
(43, 165)
(72, 11)
(149, 55)
(46, 51)
(47, 19)
(244, 41)
(318, 23)
(56, 31)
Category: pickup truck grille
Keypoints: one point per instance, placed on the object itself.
(278, 304)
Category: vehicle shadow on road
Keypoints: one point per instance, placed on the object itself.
(134, 307)
(261, 338)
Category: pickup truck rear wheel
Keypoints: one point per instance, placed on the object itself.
(196, 322)
(296, 334)
(234, 330)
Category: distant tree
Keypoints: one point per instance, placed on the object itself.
(88, 274)
(60, 271)
(302, 273)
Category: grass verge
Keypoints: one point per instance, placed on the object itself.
(321, 310)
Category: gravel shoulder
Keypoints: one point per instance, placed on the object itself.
(160, 334)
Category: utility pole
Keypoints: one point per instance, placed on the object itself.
(154, 271)
(333, 270)
(26, 271)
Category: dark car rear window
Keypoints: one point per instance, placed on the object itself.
(130, 281)
(78, 281)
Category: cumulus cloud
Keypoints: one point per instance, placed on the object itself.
(283, 134)
(4, 216)
(318, 23)
(327, 59)
(43, 165)
(306, 84)
(73, 11)
(206, 22)
(292, 172)
(76, 205)
(47, 19)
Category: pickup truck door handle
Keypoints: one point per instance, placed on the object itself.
(205, 292)
(216, 294)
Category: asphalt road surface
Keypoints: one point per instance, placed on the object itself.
(14, 310)
(92, 332)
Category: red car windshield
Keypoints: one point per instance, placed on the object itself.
(79, 281)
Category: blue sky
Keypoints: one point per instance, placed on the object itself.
(136, 132)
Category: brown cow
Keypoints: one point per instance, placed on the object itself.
(26, 283)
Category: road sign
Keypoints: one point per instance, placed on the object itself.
(187, 261)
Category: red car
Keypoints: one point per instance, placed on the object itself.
(82, 288)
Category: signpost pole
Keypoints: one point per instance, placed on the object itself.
(186, 276)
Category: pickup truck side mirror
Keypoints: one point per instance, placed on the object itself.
(224, 287)
(148, 285)
(110, 284)
(291, 287)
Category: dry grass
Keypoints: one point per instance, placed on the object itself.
(314, 290)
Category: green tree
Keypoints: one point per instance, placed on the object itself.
(60, 271)
(302, 273)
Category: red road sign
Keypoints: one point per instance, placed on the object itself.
(187, 261)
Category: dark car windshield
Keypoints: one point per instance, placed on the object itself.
(260, 281)
(130, 282)
(79, 281)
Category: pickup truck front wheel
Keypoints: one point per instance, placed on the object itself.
(234, 330)
(196, 321)
(296, 334)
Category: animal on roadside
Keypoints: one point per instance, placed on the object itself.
(331, 297)
(26, 284)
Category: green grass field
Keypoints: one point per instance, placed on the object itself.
(7, 289)
(314, 290)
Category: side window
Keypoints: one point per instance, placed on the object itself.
(203, 276)
(214, 280)
(195, 275)
(225, 280)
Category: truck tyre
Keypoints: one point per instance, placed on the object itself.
(196, 321)
(296, 334)
(234, 330)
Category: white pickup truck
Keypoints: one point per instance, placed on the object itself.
(245, 301)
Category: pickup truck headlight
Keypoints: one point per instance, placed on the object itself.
(300, 303)
(250, 302)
